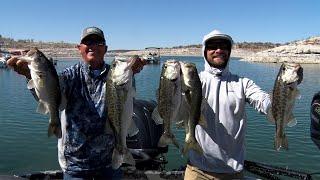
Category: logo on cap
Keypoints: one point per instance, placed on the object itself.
(92, 30)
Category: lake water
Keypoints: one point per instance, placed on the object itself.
(25, 147)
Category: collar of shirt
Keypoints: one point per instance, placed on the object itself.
(90, 72)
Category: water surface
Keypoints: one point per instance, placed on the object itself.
(25, 147)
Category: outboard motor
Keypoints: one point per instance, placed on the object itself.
(144, 144)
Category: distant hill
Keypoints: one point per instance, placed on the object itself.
(252, 46)
(65, 49)
(27, 43)
(302, 51)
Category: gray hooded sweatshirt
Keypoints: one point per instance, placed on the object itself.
(223, 138)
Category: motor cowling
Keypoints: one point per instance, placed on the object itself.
(144, 144)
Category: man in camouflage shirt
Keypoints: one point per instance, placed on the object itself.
(85, 148)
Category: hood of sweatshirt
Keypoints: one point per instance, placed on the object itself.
(215, 34)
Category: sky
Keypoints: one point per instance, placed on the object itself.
(137, 24)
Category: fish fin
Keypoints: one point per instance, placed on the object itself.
(180, 124)
(54, 127)
(292, 122)
(133, 129)
(166, 139)
(41, 83)
(270, 116)
(202, 121)
(183, 112)
(117, 159)
(54, 130)
(30, 84)
(128, 158)
(194, 145)
(63, 103)
(156, 116)
(280, 142)
(42, 109)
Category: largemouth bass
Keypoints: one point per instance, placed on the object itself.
(192, 96)
(169, 100)
(285, 92)
(119, 98)
(45, 82)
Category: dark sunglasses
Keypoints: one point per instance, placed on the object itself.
(222, 46)
(93, 42)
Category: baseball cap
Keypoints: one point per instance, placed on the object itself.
(92, 31)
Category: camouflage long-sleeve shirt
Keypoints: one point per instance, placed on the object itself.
(85, 144)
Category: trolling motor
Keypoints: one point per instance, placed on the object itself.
(144, 144)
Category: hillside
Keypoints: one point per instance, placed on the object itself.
(68, 50)
(239, 50)
(303, 51)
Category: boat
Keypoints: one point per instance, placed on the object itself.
(3, 57)
(151, 161)
(152, 56)
(3, 60)
(3, 63)
(259, 171)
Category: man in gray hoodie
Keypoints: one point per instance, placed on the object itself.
(226, 94)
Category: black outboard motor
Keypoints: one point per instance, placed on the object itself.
(144, 145)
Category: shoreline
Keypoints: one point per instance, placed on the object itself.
(237, 53)
(241, 54)
(304, 52)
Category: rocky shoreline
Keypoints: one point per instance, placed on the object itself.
(304, 51)
(71, 53)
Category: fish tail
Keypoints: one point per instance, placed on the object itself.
(54, 125)
(54, 129)
(194, 145)
(166, 139)
(42, 108)
(156, 116)
(117, 159)
(281, 141)
(128, 158)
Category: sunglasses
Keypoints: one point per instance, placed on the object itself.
(93, 42)
(222, 46)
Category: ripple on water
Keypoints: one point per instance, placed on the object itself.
(25, 146)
